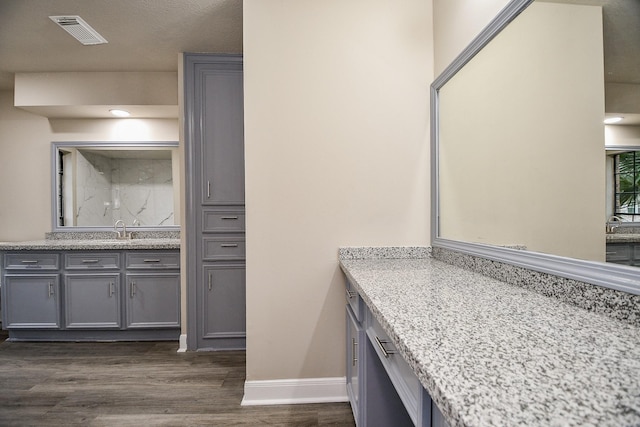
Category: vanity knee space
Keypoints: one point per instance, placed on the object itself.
(381, 386)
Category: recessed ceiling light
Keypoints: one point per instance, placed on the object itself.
(120, 113)
(612, 120)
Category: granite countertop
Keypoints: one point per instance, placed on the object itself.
(623, 238)
(91, 244)
(490, 353)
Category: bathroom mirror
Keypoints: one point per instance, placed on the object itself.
(96, 184)
(518, 141)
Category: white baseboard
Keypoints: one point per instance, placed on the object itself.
(286, 392)
(183, 343)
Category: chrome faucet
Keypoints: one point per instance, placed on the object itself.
(610, 227)
(123, 233)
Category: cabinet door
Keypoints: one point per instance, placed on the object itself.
(222, 117)
(31, 301)
(92, 301)
(153, 300)
(354, 335)
(223, 320)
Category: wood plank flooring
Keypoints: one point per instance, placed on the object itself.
(137, 384)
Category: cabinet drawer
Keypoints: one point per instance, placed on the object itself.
(223, 248)
(222, 221)
(618, 252)
(27, 261)
(91, 260)
(152, 260)
(402, 376)
(354, 301)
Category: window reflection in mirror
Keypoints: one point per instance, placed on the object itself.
(98, 184)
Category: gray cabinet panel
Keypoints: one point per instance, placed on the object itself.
(214, 151)
(223, 303)
(354, 338)
(92, 260)
(152, 260)
(92, 301)
(31, 261)
(223, 248)
(31, 301)
(222, 221)
(222, 119)
(153, 300)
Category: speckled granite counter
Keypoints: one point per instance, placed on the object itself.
(78, 244)
(623, 238)
(490, 353)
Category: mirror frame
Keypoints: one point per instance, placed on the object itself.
(608, 275)
(55, 201)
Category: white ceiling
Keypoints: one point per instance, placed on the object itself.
(147, 35)
(143, 35)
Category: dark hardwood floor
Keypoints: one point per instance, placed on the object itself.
(137, 384)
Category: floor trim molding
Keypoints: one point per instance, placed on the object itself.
(295, 391)
(183, 344)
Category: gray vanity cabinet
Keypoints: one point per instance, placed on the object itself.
(382, 388)
(624, 253)
(214, 148)
(31, 301)
(153, 300)
(91, 295)
(31, 291)
(92, 300)
(92, 290)
(223, 300)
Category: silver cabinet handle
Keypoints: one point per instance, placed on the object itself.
(208, 189)
(89, 261)
(354, 349)
(132, 292)
(151, 260)
(111, 289)
(29, 261)
(350, 294)
(229, 245)
(51, 290)
(381, 343)
(210, 281)
(229, 217)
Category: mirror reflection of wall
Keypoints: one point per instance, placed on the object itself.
(521, 137)
(100, 186)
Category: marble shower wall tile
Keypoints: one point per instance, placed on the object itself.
(138, 191)
(93, 190)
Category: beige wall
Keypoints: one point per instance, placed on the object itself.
(336, 146)
(25, 160)
(456, 23)
(622, 135)
(522, 139)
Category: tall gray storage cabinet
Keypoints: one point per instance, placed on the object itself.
(214, 154)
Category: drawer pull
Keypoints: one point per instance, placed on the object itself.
(151, 260)
(210, 281)
(229, 245)
(229, 217)
(132, 292)
(90, 261)
(381, 343)
(111, 289)
(29, 261)
(354, 352)
(208, 189)
(51, 290)
(350, 294)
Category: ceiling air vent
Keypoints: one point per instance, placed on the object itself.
(79, 29)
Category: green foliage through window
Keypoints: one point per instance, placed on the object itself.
(627, 179)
